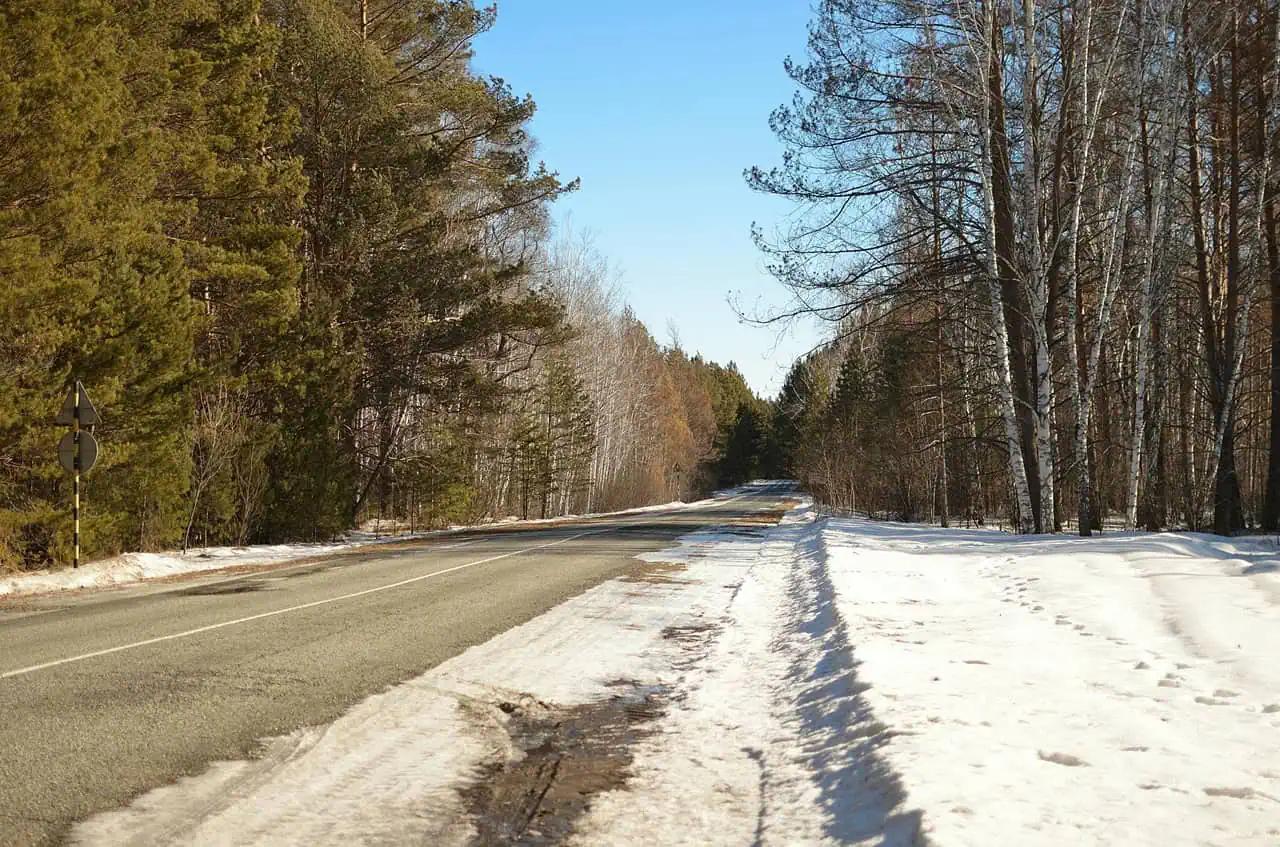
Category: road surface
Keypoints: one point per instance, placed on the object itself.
(105, 695)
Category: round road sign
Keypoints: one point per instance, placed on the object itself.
(88, 451)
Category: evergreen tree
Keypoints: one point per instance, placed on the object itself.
(92, 288)
(410, 160)
(744, 448)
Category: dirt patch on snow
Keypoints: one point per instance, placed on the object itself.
(658, 573)
(566, 757)
(770, 517)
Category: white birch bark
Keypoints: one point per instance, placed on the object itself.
(1147, 304)
(1037, 281)
(1082, 385)
(1000, 336)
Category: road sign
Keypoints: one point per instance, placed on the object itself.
(88, 451)
(88, 414)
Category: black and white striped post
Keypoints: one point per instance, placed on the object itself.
(78, 450)
(75, 509)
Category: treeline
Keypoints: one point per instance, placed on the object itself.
(1047, 238)
(297, 250)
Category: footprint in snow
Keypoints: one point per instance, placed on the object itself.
(1212, 701)
(1155, 786)
(1245, 793)
(1065, 759)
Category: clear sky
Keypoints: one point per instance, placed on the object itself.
(659, 107)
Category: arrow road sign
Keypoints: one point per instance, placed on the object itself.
(88, 451)
(88, 414)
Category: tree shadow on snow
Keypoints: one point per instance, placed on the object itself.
(843, 741)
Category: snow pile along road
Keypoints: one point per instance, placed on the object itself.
(1037, 690)
(770, 739)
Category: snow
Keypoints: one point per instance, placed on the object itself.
(830, 681)
(764, 743)
(385, 773)
(1051, 690)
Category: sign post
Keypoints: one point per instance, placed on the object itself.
(78, 450)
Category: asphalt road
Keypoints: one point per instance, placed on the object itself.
(105, 695)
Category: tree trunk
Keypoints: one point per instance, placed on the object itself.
(1266, 145)
(1037, 283)
(1006, 320)
(1013, 309)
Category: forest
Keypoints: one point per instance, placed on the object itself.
(301, 256)
(1044, 238)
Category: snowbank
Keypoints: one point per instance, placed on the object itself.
(768, 740)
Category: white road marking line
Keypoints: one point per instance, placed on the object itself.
(210, 627)
(266, 571)
(465, 543)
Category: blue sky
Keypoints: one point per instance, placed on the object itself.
(659, 107)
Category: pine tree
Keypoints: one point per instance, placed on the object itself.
(410, 159)
(93, 287)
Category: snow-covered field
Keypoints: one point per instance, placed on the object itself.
(830, 681)
(1117, 690)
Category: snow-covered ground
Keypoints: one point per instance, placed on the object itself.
(137, 567)
(826, 682)
(1039, 690)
